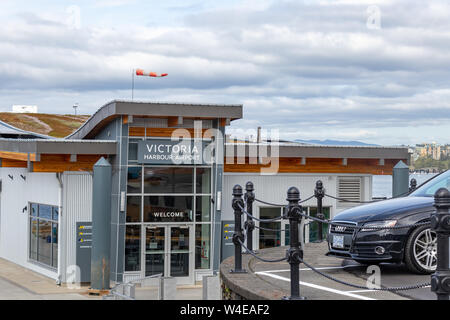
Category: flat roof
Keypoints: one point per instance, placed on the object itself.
(118, 108)
(59, 146)
(295, 150)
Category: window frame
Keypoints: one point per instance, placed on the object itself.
(52, 222)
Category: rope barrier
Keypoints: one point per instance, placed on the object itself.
(351, 201)
(404, 288)
(257, 219)
(270, 204)
(268, 229)
(281, 205)
(354, 201)
(278, 230)
(340, 224)
(259, 258)
(292, 255)
(365, 227)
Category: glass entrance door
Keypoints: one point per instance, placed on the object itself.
(169, 251)
(155, 250)
(179, 251)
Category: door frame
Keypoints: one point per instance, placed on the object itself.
(167, 250)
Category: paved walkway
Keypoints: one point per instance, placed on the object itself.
(18, 283)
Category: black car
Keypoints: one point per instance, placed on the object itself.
(415, 246)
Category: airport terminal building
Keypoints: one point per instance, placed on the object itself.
(169, 214)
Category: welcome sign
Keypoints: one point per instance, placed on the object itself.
(161, 151)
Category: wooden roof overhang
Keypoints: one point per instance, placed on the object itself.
(297, 158)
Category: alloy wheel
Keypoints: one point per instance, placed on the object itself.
(425, 249)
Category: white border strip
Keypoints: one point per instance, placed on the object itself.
(315, 286)
(309, 269)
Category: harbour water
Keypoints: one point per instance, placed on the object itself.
(382, 185)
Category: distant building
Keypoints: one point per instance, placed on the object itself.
(431, 150)
(24, 109)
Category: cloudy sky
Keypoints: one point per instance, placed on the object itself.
(374, 71)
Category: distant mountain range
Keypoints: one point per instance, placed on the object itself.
(336, 143)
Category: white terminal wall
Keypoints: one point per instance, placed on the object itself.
(75, 201)
(15, 195)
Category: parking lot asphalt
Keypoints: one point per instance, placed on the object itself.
(395, 275)
(314, 286)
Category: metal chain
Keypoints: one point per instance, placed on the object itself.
(365, 227)
(403, 288)
(340, 224)
(353, 201)
(270, 204)
(259, 258)
(268, 229)
(279, 230)
(281, 205)
(257, 219)
(412, 287)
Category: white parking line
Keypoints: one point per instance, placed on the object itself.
(309, 269)
(315, 286)
(358, 291)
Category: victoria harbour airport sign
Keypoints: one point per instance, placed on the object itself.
(163, 151)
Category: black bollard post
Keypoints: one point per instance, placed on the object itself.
(319, 193)
(412, 185)
(249, 223)
(294, 253)
(440, 223)
(237, 204)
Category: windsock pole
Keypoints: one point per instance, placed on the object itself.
(132, 85)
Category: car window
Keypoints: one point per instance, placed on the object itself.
(442, 184)
(429, 189)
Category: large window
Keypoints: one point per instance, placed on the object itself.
(44, 234)
(276, 233)
(168, 194)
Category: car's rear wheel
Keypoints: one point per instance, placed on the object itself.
(421, 251)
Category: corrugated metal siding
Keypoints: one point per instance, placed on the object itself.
(77, 207)
(274, 189)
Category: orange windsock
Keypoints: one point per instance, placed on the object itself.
(140, 72)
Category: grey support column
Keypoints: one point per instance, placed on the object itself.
(101, 225)
(217, 190)
(400, 179)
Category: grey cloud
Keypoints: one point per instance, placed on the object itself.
(294, 64)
